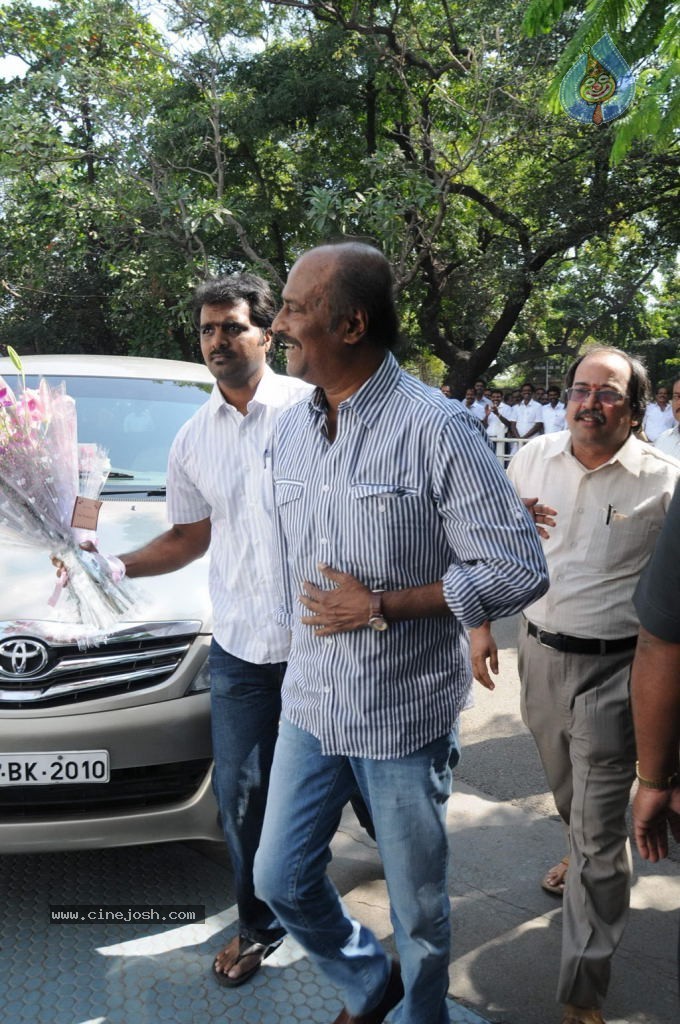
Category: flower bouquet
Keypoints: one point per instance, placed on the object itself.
(48, 492)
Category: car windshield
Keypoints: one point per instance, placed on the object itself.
(135, 420)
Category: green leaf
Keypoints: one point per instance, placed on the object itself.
(14, 356)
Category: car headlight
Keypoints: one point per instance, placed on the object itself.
(201, 681)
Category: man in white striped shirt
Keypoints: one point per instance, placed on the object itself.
(219, 494)
(397, 528)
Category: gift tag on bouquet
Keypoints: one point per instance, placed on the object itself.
(85, 513)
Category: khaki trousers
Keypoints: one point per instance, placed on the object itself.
(577, 707)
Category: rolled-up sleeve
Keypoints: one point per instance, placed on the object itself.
(498, 567)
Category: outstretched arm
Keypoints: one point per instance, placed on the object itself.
(655, 690)
(181, 544)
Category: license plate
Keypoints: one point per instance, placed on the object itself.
(55, 768)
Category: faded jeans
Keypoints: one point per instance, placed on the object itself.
(407, 799)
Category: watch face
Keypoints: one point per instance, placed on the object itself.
(378, 623)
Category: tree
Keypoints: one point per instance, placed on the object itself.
(69, 127)
(419, 127)
(478, 198)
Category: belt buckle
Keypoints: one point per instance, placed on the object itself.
(551, 640)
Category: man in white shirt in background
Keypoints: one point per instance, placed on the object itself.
(498, 420)
(480, 388)
(658, 416)
(474, 407)
(554, 417)
(669, 441)
(527, 415)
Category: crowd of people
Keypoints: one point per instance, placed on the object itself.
(512, 417)
(349, 492)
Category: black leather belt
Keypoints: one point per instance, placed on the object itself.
(580, 644)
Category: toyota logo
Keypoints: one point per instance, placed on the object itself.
(22, 657)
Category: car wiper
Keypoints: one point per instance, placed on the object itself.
(150, 492)
(117, 474)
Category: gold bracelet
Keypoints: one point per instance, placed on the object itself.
(670, 782)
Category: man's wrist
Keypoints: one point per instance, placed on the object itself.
(662, 783)
(376, 616)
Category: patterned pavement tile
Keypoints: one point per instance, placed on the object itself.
(116, 972)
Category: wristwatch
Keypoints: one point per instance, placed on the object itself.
(376, 619)
(668, 782)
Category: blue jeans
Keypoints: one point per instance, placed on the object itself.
(407, 799)
(245, 706)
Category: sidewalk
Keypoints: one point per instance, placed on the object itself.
(506, 933)
(138, 972)
(506, 930)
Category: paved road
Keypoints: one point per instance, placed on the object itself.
(508, 930)
(500, 757)
(504, 834)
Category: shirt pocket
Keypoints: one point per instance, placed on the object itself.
(389, 520)
(288, 495)
(286, 491)
(622, 545)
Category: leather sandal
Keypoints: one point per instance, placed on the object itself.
(243, 949)
(582, 1015)
(556, 887)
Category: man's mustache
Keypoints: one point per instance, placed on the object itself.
(593, 414)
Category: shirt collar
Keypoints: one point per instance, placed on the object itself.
(629, 454)
(367, 403)
(266, 393)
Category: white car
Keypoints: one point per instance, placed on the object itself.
(108, 744)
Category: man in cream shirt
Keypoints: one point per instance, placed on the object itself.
(611, 492)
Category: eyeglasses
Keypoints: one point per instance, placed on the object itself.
(605, 396)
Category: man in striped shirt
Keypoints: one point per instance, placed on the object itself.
(396, 529)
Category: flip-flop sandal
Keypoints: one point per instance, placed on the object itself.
(246, 948)
(556, 888)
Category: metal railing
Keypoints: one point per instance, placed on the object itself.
(505, 447)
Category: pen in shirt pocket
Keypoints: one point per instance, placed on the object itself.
(613, 516)
(266, 457)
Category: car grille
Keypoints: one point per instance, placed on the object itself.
(129, 789)
(69, 672)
